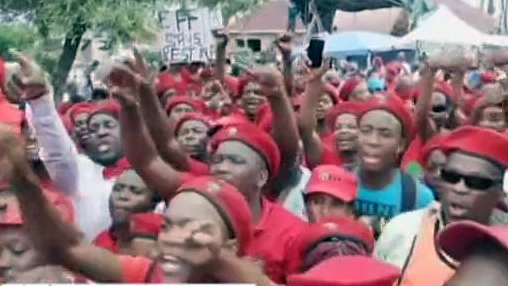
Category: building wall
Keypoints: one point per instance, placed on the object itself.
(266, 39)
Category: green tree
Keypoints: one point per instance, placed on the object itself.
(67, 21)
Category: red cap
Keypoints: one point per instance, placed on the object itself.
(353, 108)
(340, 227)
(348, 88)
(255, 138)
(459, 239)
(64, 107)
(395, 106)
(164, 82)
(334, 181)
(347, 271)
(146, 224)
(479, 141)
(107, 106)
(82, 107)
(230, 202)
(197, 105)
(191, 116)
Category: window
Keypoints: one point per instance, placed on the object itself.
(240, 43)
(254, 45)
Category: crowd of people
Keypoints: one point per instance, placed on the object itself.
(283, 175)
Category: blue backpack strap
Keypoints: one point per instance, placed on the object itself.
(409, 192)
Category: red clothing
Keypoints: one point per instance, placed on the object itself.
(274, 241)
(139, 270)
(198, 168)
(106, 240)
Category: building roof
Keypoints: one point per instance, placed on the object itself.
(380, 20)
(271, 17)
(472, 15)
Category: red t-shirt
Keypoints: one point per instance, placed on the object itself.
(274, 241)
(137, 269)
(106, 240)
(198, 168)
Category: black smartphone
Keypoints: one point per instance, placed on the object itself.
(315, 52)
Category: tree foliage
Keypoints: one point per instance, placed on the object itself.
(67, 21)
(231, 8)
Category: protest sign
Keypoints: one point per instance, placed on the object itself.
(243, 59)
(187, 34)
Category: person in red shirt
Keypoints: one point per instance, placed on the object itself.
(178, 106)
(191, 133)
(206, 221)
(129, 196)
(242, 155)
(331, 192)
(342, 121)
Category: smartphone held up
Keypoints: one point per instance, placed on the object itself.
(315, 51)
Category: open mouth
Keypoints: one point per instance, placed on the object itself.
(171, 264)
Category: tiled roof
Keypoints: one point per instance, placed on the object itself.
(269, 17)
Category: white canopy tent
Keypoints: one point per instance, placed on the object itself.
(444, 27)
(496, 40)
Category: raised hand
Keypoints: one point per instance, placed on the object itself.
(28, 80)
(221, 38)
(284, 44)
(270, 79)
(200, 247)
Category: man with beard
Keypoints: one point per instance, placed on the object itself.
(470, 189)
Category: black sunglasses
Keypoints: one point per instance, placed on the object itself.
(472, 182)
(439, 108)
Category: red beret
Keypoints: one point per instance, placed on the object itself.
(197, 105)
(230, 120)
(479, 141)
(347, 271)
(340, 227)
(232, 84)
(108, 106)
(82, 107)
(488, 77)
(353, 108)
(191, 116)
(331, 91)
(445, 89)
(348, 88)
(395, 106)
(459, 239)
(229, 202)
(254, 137)
(164, 82)
(334, 181)
(432, 144)
(64, 107)
(146, 224)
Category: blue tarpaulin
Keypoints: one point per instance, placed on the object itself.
(357, 43)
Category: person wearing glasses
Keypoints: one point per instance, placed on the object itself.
(471, 186)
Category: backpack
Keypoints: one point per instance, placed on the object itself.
(409, 189)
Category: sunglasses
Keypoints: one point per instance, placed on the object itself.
(439, 108)
(472, 182)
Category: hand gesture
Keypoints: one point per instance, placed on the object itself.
(130, 80)
(427, 72)
(284, 44)
(200, 247)
(221, 38)
(314, 77)
(27, 81)
(270, 79)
